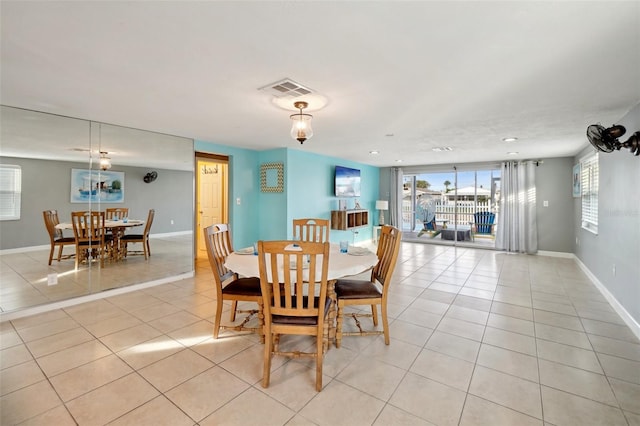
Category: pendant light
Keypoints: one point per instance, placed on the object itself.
(105, 162)
(301, 129)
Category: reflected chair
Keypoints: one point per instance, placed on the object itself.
(483, 224)
(372, 292)
(90, 238)
(56, 236)
(313, 230)
(143, 238)
(298, 303)
(115, 213)
(228, 285)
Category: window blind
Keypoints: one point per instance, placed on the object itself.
(10, 189)
(589, 175)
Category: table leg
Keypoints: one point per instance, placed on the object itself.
(329, 334)
(117, 253)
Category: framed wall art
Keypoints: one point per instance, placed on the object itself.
(576, 180)
(272, 177)
(97, 186)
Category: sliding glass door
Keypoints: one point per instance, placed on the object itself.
(451, 206)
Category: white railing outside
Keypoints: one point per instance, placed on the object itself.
(446, 212)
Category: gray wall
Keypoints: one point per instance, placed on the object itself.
(46, 185)
(555, 222)
(618, 239)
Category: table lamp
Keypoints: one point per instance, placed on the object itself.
(382, 205)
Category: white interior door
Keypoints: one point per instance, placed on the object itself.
(211, 207)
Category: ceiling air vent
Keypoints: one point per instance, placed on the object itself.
(286, 87)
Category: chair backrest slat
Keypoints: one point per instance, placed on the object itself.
(293, 278)
(313, 230)
(88, 226)
(218, 241)
(388, 249)
(50, 221)
(116, 212)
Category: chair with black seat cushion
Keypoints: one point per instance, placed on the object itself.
(90, 239)
(314, 230)
(372, 292)
(293, 277)
(228, 285)
(143, 238)
(56, 236)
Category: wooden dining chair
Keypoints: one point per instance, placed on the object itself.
(297, 304)
(143, 239)
(116, 213)
(90, 237)
(228, 285)
(370, 292)
(314, 230)
(56, 237)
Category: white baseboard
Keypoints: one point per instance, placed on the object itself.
(8, 316)
(47, 246)
(620, 310)
(556, 254)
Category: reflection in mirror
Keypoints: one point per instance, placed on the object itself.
(48, 149)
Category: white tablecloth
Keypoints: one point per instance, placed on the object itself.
(340, 264)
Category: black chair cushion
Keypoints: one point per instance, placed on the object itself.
(356, 289)
(292, 320)
(131, 237)
(243, 287)
(65, 240)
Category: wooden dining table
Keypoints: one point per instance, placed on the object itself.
(355, 261)
(117, 228)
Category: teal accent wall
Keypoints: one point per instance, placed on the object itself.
(244, 183)
(308, 192)
(272, 206)
(311, 191)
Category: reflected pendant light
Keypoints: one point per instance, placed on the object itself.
(105, 162)
(301, 129)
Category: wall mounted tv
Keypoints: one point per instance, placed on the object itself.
(347, 182)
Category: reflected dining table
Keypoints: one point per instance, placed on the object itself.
(355, 261)
(117, 228)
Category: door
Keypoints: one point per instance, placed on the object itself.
(211, 197)
(439, 206)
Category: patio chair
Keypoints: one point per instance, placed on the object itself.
(483, 224)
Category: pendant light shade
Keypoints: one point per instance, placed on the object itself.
(301, 129)
(105, 162)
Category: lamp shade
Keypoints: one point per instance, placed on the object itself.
(382, 205)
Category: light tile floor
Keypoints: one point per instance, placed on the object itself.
(477, 337)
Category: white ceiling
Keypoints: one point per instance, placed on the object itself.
(398, 77)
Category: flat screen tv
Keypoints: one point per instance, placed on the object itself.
(347, 182)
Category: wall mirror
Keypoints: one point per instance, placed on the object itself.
(48, 148)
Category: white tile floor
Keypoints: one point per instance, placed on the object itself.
(477, 337)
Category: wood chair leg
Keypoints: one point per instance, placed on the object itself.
(374, 314)
(59, 253)
(385, 323)
(232, 314)
(319, 355)
(51, 254)
(268, 348)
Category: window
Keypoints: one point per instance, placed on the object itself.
(589, 181)
(10, 189)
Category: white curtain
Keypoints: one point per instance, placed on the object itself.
(395, 204)
(517, 228)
